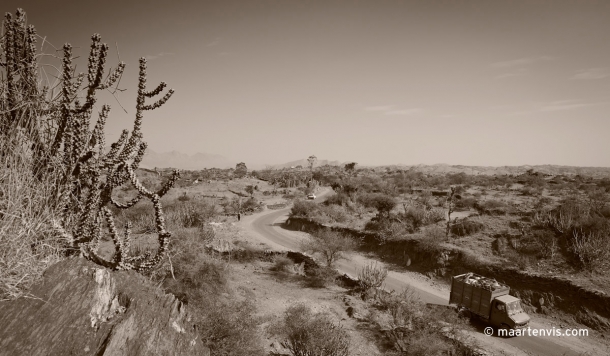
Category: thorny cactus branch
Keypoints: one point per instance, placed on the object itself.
(112, 79)
(169, 184)
(139, 155)
(127, 205)
(96, 232)
(156, 91)
(66, 100)
(69, 149)
(97, 137)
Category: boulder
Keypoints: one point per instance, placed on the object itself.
(80, 308)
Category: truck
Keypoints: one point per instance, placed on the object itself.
(488, 300)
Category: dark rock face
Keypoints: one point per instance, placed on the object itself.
(80, 308)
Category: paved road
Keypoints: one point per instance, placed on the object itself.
(268, 227)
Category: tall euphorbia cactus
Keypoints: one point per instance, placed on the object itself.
(68, 148)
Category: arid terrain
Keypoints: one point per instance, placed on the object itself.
(248, 248)
(255, 267)
(108, 247)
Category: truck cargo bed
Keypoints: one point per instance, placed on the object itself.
(475, 292)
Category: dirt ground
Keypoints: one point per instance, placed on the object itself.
(274, 292)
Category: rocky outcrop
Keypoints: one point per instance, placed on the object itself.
(80, 308)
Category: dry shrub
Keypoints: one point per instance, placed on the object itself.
(230, 327)
(304, 209)
(466, 227)
(431, 241)
(543, 242)
(592, 249)
(190, 213)
(524, 261)
(420, 216)
(319, 277)
(246, 253)
(281, 264)
(389, 229)
(492, 207)
(584, 229)
(310, 334)
(336, 213)
(141, 216)
(197, 277)
(371, 277)
(402, 306)
(285, 265)
(466, 202)
(340, 198)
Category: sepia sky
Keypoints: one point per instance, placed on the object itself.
(488, 82)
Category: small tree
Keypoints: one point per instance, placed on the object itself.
(250, 190)
(240, 170)
(350, 166)
(312, 161)
(350, 189)
(332, 245)
(384, 204)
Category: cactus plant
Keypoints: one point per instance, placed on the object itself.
(57, 128)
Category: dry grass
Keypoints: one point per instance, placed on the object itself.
(27, 243)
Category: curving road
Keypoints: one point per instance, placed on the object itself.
(267, 226)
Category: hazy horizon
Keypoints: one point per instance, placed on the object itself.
(474, 83)
(257, 166)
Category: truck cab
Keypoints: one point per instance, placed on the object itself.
(506, 312)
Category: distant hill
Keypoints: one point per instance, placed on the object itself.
(304, 163)
(175, 159)
(502, 170)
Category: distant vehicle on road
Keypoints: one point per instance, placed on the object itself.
(311, 196)
(486, 299)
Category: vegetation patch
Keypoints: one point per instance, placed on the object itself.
(466, 227)
(308, 333)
